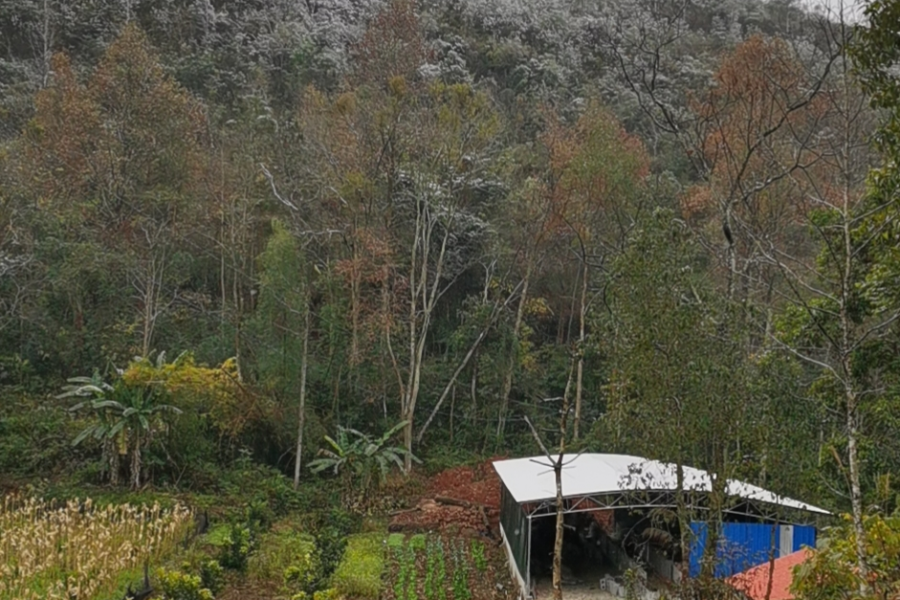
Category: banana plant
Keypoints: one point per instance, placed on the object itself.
(357, 456)
(126, 418)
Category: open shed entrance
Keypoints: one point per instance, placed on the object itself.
(584, 564)
(599, 546)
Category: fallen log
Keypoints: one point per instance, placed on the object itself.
(403, 511)
(454, 502)
(406, 528)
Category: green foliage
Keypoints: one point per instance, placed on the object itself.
(211, 576)
(288, 555)
(284, 284)
(478, 557)
(440, 570)
(177, 585)
(461, 589)
(405, 584)
(418, 541)
(832, 573)
(135, 215)
(445, 567)
(218, 535)
(126, 417)
(236, 547)
(35, 437)
(331, 538)
(259, 492)
(431, 580)
(326, 594)
(359, 456)
(213, 391)
(360, 571)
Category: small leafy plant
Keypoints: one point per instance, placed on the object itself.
(211, 576)
(235, 552)
(478, 556)
(418, 541)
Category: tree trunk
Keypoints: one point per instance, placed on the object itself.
(684, 522)
(856, 490)
(579, 377)
(406, 408)
(111, 456)
(355, 307)
(418, 335)
(713, 526)
(560, 529)
(850, 396)
(238, 311)
(511, 368)
(301, 417)
(560, 508)
(136, 464)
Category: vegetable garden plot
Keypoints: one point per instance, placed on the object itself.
(436, 567)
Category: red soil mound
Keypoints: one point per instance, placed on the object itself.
(477, 484)
(476, 487)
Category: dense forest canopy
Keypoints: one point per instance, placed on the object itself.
(677, 218)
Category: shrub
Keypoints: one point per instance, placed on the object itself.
(329, 594)
(359, 573)
(235, 552)
(332, 538)
(260, 484)
(211, 575)
(177, 585)
(290, 556)
(258, 515)
(35, 437)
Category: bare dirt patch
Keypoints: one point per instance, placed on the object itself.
(463, 500)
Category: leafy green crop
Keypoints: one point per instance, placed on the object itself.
(461, 589)
(478, 556)
(359, 573)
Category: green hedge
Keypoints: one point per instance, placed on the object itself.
(359, 574)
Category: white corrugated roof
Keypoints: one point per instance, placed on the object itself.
(532, 480)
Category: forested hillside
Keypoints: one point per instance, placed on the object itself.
(244, 225)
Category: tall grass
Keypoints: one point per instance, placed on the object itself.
(76, 550)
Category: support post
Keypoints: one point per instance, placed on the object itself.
(528, 561)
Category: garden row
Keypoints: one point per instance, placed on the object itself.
(435, 567)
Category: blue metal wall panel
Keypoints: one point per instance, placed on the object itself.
(804, 535)
(740, 547)
(698, 543)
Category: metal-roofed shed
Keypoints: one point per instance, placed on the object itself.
(592, 482)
